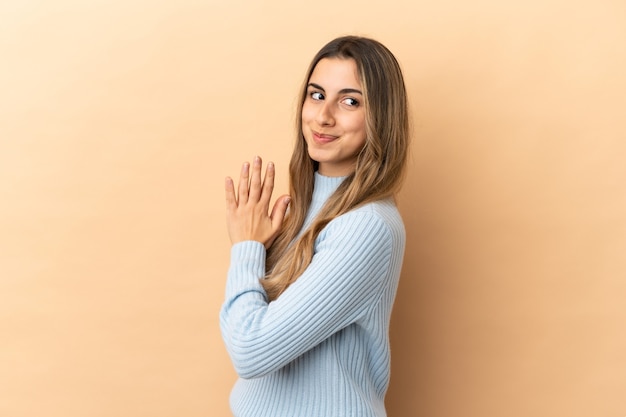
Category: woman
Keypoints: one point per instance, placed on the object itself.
(309, 294)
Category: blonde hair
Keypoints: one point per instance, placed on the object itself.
(379, 167)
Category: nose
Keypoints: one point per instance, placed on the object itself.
(325, 115)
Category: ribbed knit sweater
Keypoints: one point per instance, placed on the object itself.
(322, 348)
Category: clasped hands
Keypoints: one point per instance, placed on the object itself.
(247, 210)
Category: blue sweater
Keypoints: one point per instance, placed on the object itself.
(322, 348)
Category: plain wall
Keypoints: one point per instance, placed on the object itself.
(120, 120)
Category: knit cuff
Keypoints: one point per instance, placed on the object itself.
(247, 267)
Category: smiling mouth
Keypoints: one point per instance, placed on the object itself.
(322, 138)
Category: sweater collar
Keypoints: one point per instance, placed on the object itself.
(325, 186)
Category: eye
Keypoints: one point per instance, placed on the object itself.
(316, 95)
(350, 102)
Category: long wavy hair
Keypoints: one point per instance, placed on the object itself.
(379, 168)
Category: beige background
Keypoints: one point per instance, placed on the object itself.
(119, 121)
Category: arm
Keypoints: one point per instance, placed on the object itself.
(342, 282)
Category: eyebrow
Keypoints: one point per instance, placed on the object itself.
(342, 91)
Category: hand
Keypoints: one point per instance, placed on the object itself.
(247, 211)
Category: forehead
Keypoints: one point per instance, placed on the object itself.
(336, 73)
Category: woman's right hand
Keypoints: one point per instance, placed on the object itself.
(247, 210)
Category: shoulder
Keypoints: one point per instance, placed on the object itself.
(376, 220)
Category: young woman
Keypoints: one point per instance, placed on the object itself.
(309, 294)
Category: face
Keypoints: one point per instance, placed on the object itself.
(333, 116)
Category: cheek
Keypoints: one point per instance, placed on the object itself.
(306, 114)
(357, 125)
(360, 133)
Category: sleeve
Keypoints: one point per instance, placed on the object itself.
(343, 280)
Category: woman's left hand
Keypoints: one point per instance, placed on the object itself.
(247, 211)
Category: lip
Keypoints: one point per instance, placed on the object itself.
(323, 138)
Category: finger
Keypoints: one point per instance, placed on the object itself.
(231, 199)
(244, 177)
(278, 212)
(255, 182)
(268, 184)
